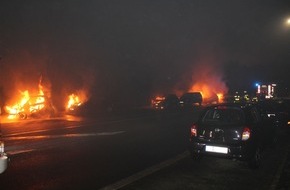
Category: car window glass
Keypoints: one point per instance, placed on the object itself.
(223, 116)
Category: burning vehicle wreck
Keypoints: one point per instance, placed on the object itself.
(39, 106)
(77, 103)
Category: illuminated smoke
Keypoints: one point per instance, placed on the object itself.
(208, 79)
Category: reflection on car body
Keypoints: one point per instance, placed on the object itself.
(231, 131)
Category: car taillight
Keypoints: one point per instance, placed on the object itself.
(193, 131)
(246, 134)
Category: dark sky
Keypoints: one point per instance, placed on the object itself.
(137, 48)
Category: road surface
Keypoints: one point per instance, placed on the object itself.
(71, 152)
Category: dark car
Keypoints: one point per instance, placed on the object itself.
(190, 99)
(231, 131)
(169, 102)
(276, 110)
(269, 111)
(283, 112)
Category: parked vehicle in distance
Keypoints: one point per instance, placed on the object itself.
(269, 111)
(283, 112)
(232, 131)
(276, 110)
(190, 99)
(168, 102)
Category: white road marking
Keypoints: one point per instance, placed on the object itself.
(19, 151)
(70, 127)
(144, 173)
(64, 135)
(13, 150)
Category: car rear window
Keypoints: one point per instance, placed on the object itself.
(223, 116)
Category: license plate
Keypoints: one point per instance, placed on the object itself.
(216, 149)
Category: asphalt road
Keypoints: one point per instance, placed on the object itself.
(139, 151)
(82, 153)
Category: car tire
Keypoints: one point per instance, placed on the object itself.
(255, 160)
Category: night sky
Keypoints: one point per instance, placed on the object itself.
(129, 51)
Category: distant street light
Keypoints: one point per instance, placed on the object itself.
(288, 21)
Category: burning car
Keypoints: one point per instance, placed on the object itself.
(77, 103)
(168, 102)
(157, 101)
(39, 106)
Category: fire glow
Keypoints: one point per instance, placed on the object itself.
(24, 105)
(210, 84)
(75, 100)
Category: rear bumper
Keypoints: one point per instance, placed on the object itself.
(235, 151)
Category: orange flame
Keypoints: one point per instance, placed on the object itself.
(73, 101)
(76, 100)
(20, 106)
(25, 104)
(220, 97)
(209, 83)
(157, 100)
(210, 93)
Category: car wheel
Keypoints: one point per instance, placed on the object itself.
(255, 161)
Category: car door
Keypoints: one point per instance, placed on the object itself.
(264, 127)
